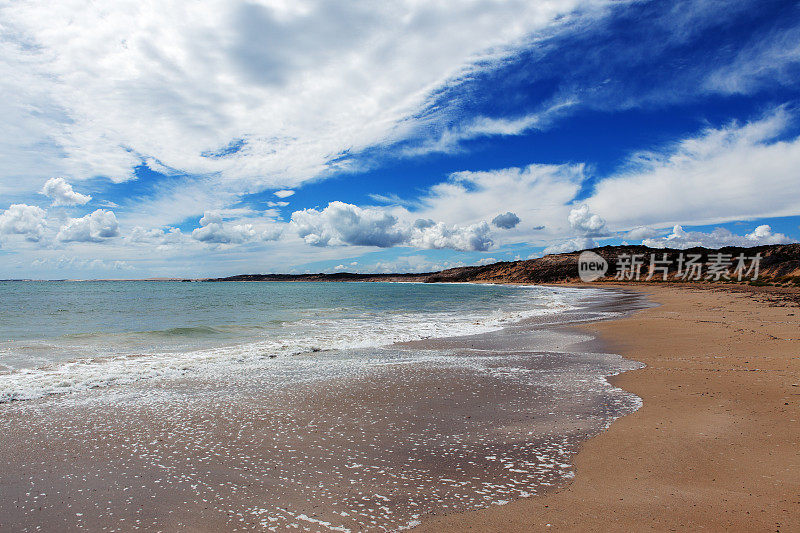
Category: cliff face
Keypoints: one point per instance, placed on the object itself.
(779, 263)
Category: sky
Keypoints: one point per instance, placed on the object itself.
(192, 139)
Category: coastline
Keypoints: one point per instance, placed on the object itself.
(715, 444)
(374, 438)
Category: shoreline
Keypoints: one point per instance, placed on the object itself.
(715, 444)
(387, 436)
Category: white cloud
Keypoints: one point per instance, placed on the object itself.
(642, 232)
(341, 223)
(394, 199)
(769, 60)
(571, 245)
(452, 214)
(409, 263)
(283, 193)
(763, 235)
(725, 174)
(679, 238)
(429, 235)
(538, 194)
(22, 219)
(260, 94)
(94, 227)
(80, 263)
(214, 230)
(346, 224)
(506, 220)
(62, 194)
(586, 223)
(157, 236)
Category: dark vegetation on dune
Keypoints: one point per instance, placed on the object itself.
(780, 265)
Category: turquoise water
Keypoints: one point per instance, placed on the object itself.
(65, 336)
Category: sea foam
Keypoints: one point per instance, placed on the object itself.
(306, 336)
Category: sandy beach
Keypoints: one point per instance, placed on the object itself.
(716, 445)
(486, 433)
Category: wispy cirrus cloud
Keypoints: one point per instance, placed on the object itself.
(268, 94)
(734, 172)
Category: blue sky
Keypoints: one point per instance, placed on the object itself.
(215, 138)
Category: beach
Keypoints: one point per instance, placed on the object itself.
(461, 412)
(716, 444)
(539, 425)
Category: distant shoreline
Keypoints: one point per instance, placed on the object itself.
(779, 265)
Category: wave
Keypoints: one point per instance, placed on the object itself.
(307, 335)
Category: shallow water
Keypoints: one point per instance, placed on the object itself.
(59, 337)
(369, 438)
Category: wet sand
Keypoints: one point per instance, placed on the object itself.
(716, 445)
(355, 441)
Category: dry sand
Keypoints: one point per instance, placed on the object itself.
(716, 445)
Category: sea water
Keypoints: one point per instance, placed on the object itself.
(61, 337)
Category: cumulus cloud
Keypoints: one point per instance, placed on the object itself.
(94, 227)
(62, 194)
(214, 230)
(506, 220)
(679, 238)
(341, 223)
(23, 219)
(452, 214)
(285, 193)
(538, 194)
(475, 237)
(586, 223)
(346, 224)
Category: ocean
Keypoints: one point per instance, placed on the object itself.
(309, 406)
(59, 337)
